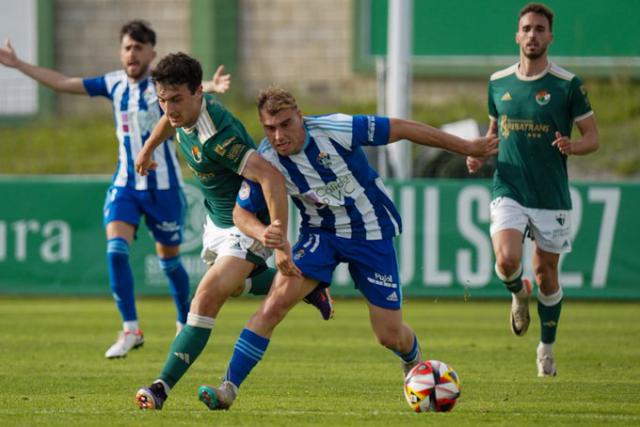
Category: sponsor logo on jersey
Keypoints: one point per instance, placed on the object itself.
(533, 130)
(202, 176)
(324, 159)
(506, 96)
(234, 152)
(197, 155)
(334, 192)
(543, 97)
(227, 142)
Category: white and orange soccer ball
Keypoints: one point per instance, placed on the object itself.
(432, 386)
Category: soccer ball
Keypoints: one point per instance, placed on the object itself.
(432, 386)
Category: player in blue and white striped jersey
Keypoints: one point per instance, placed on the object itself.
(158, 197)
(347, 216)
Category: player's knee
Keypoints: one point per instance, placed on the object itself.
(507, 266)
(207, 302)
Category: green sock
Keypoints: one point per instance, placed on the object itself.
(261, 282)
(549, 317)
(186, 347)
(515, 286)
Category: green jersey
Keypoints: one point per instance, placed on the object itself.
(529, 111)
(216, 149)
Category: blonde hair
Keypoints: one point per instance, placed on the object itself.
(275, 99)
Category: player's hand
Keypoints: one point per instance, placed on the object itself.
(220, 82)
(273, 236)
(484, 146)
(475, 163)
(8, 55)
(563, 144)
(145, 163)
(284, 261)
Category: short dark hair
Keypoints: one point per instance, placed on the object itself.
(539, 9)
(176, 69)
(275, 99)
(140, 31)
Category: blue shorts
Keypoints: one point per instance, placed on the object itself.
(372, 264)
(164, 211)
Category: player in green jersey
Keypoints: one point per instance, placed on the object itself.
(532, 107)
(220, 153)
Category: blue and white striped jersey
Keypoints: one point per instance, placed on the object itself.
(330, 180)
(136, 111)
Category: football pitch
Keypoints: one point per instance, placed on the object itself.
(53, 372)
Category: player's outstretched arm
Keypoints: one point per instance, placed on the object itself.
(271, 236)
(160, 133)
(272, 182)
(219, 83)
(475, 163)
(50, 78)
(586, 145)
(424, 134)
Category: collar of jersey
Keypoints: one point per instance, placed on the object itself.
(534, 77)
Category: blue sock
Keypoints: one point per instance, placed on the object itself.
(248, 351)
(413, 353)
(121, 278)
(178, 285)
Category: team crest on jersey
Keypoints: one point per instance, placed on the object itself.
(543, 97)
(561, 219)
(196, 154)
(324, 159)
(245, 191)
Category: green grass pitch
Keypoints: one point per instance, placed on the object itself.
(53, 373)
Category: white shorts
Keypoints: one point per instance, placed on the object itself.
(550, 229)
(219, 242)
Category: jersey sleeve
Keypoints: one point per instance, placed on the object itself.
(250, 197)
(96, 86)
(230, 149)
(579, 104)
(493, 111)
(370, 130)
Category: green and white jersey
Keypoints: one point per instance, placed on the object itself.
(529, 111)
(216, 150)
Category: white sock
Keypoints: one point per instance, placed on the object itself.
(545, 349)
(131, 326)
